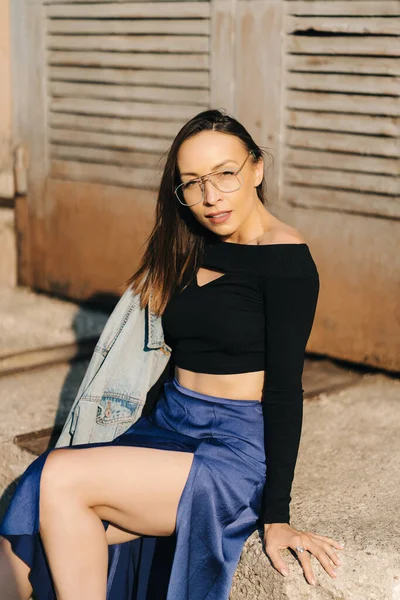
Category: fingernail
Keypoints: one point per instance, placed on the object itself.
(313, 582)
(342, 543)
(284, 572)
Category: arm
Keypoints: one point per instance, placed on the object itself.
(290, 303)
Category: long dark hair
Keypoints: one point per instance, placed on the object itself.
(176, 244)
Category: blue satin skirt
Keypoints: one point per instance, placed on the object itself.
(219, 507)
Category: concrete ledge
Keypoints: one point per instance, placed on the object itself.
(346, 486)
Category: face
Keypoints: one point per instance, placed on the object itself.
(224, 213)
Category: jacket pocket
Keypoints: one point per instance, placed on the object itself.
(116, 409)
(114, 415)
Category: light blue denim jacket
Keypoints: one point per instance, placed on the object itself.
(129, 358)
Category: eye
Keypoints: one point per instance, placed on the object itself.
(226, 173)
(191, 183)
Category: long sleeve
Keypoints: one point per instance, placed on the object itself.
(290, 303)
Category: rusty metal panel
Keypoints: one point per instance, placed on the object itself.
(93, 236)
(358, 259)
(89, 243)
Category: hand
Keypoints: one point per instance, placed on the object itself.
(278, 536)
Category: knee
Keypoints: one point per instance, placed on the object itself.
(56, 482)
(5, 549)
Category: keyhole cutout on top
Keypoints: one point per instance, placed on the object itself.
(205, 276)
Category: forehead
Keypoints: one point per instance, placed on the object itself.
(203, 151)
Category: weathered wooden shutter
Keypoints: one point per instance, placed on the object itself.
(342, 106)
(123, 77)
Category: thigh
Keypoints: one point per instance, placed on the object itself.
(136, 489)
(14, 582)
(117, 535)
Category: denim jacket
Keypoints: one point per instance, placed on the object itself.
(128, 361)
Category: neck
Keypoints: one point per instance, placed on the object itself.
(255, 226)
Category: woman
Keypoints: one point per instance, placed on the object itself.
(237, 290)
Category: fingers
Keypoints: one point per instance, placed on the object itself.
(323, 558)
(304, 559)
(303, 543)
(277, 562)
(331, 553)
(321, 550)
(327, 539)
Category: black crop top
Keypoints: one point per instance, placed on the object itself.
(257, 316)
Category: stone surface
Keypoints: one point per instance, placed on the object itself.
(346, 486)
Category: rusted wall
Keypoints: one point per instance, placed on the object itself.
(339, 168)
(90, 239)
(358, 259)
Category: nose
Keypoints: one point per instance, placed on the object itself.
(211, 194)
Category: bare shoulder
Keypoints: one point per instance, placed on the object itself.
(282, 234)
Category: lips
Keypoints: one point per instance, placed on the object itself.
(218, 214)
(219, 217)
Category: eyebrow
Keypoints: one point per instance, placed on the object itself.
(215, 167)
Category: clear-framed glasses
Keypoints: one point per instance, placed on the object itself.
(192, 192)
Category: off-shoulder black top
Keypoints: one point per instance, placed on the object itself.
(257, 316)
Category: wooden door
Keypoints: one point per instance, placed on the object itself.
(340, 168)
(102, 89)
(342, 109)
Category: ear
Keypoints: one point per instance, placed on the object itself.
(258, 172)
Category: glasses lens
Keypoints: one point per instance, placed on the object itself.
(226, 181)
(189, 193)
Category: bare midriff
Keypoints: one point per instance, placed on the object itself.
(236, 386)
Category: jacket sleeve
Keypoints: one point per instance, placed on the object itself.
(109, 332)
(290, 301)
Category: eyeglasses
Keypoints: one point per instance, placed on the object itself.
(191, 192)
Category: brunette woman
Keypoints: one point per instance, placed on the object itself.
(236, 289)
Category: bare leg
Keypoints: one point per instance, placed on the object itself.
(116, 535)
(136, 489)
(14, 583)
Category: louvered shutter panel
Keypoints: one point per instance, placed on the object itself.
(342, 106)
(123, 77)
